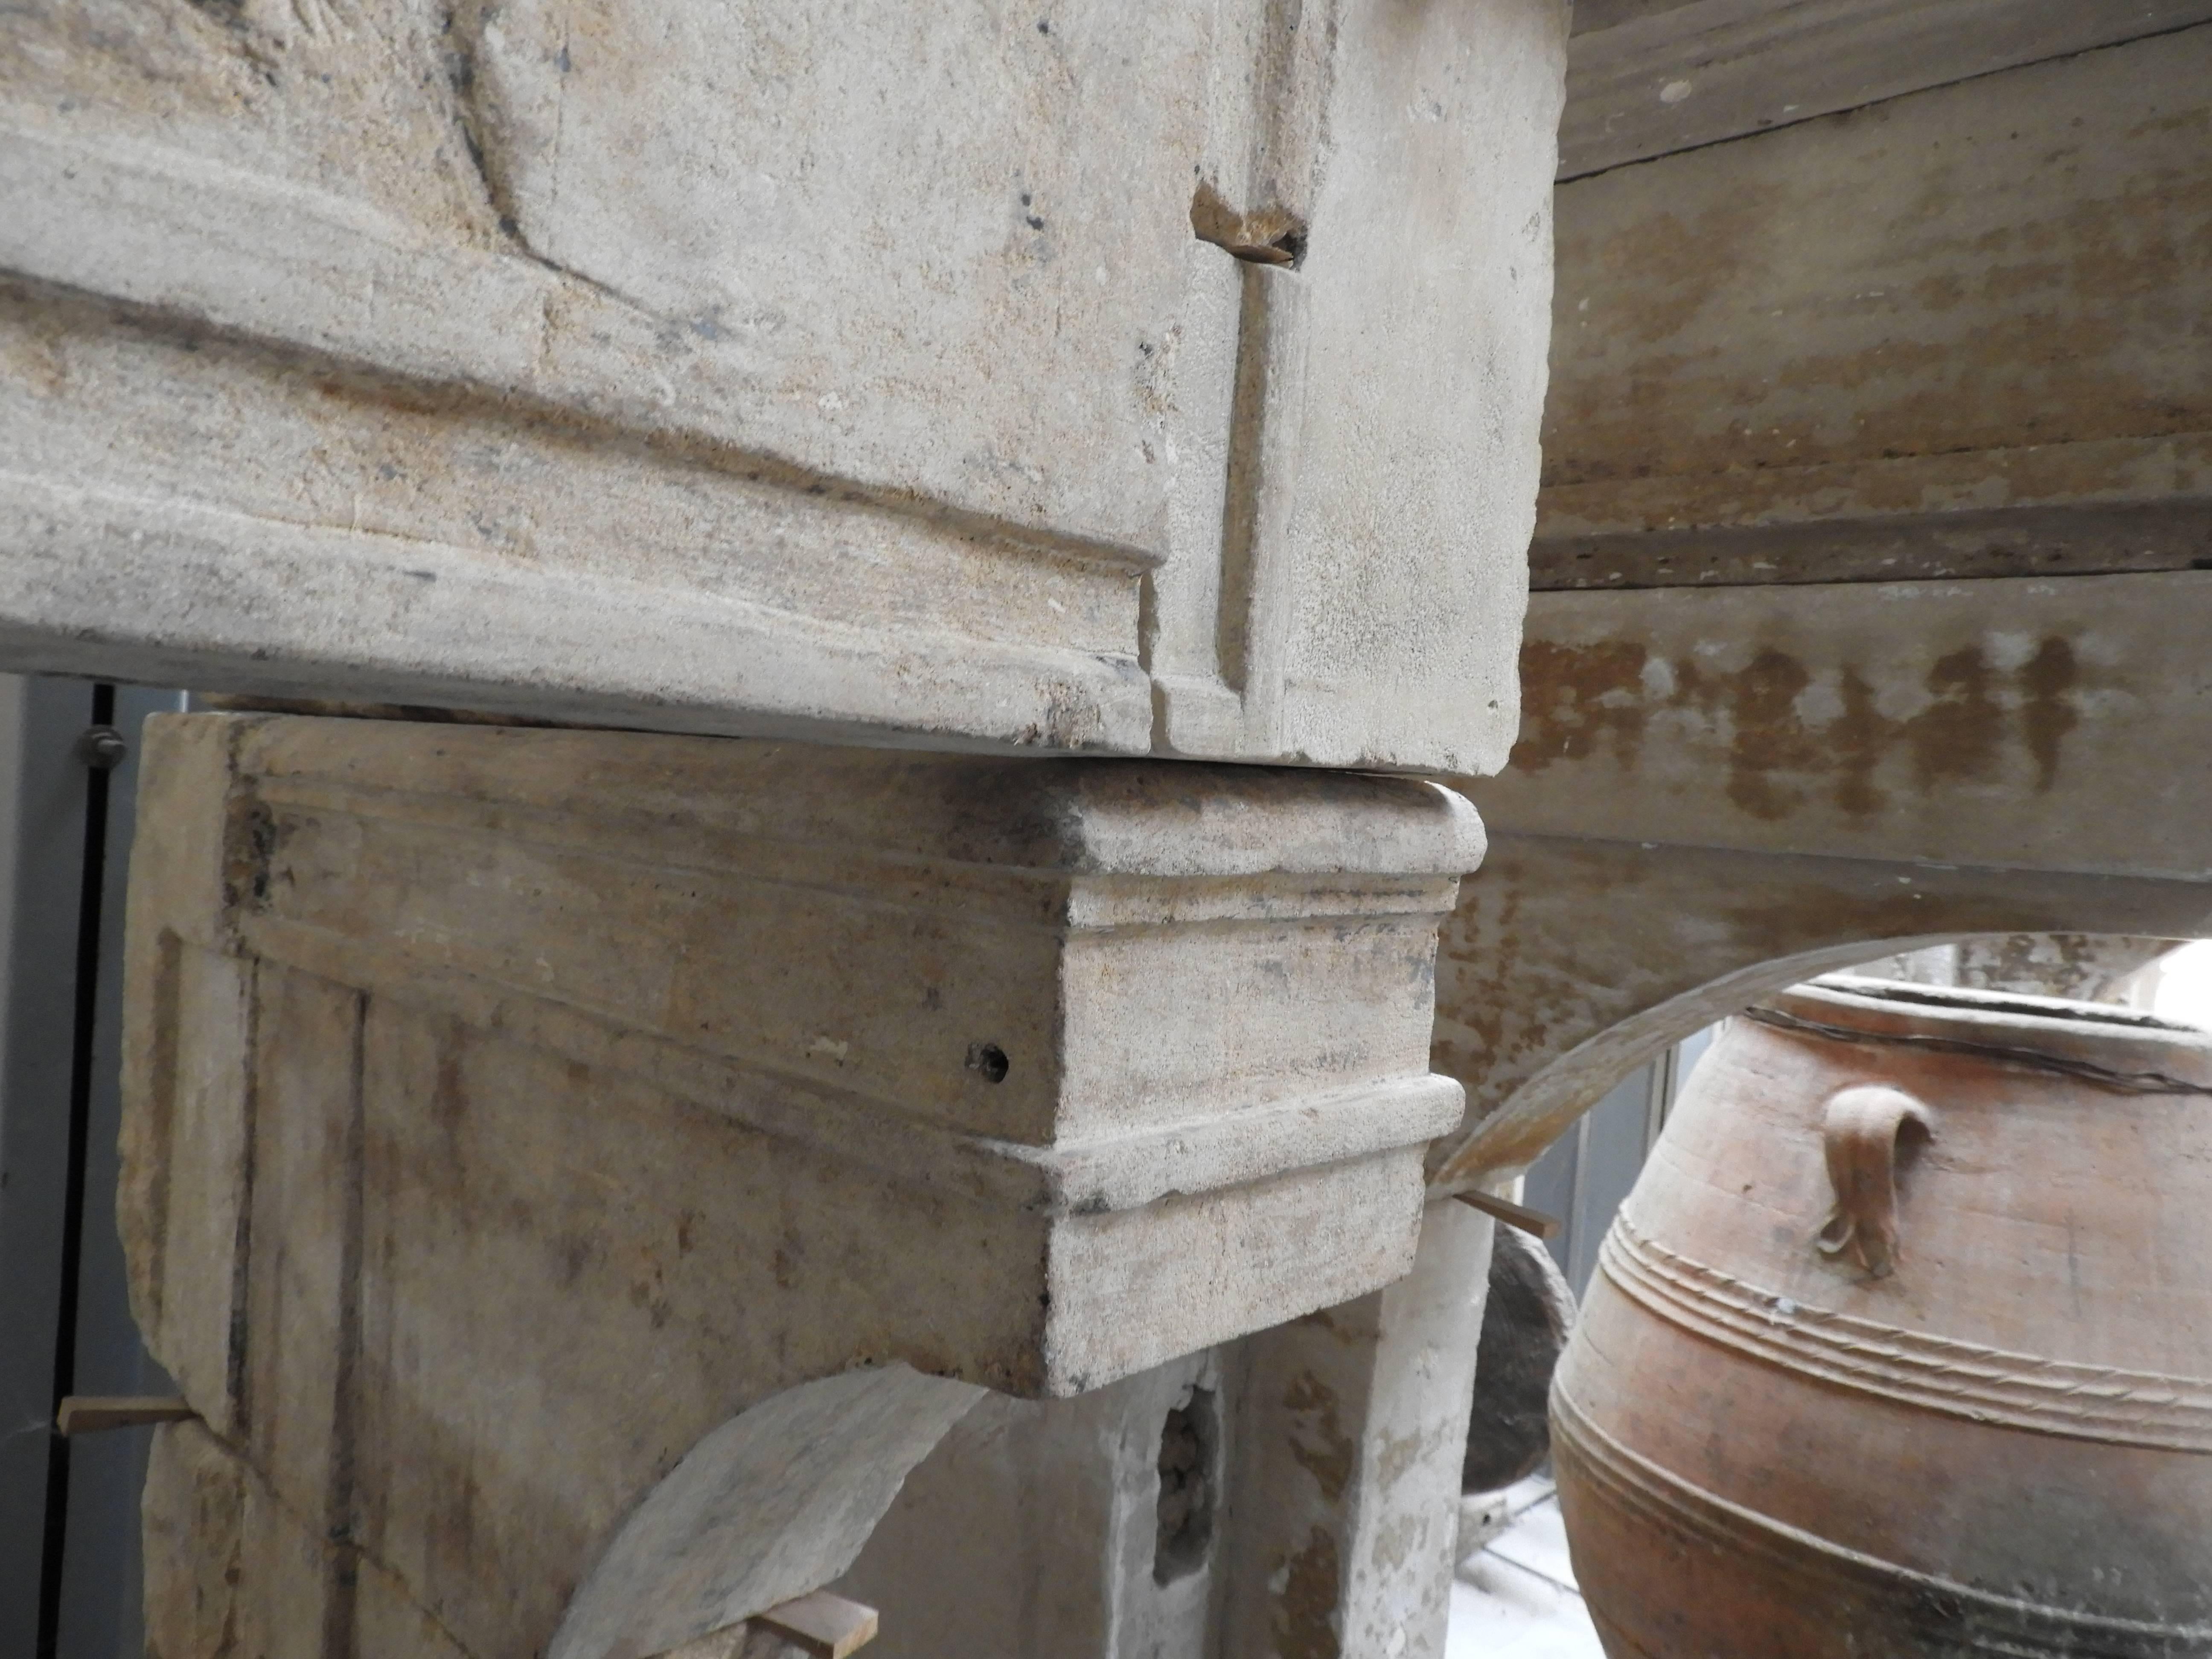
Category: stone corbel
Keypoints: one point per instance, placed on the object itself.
(509, 1107)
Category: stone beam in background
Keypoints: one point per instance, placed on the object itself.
(2051, 725)
(1647, 78)
(2086, 967)
(1955, 334)
(1570, 961)
(1803, 381)
(507, 1108)
(1719, 791)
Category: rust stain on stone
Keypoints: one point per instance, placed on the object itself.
(1326, 1451)
(1305, 1609)
(1582, 700)
(1860, 737)
(1574, 697)
(1956, 736)
(1769, 737)
(2049, 715)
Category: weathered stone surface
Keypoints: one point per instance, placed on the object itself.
(2063, 539)
(770, 1506)
(298, 1332)
(1349, 1437)
(1649, 77)
(843, 369)
(208, 1516)
(1290, 1495)
(1985, 300)
(1035, 1528)
(182, 1211)
(2027, 724)
(508, 1107)
(1571, 961)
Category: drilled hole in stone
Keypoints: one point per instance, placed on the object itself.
(990, 1059)
(1189, 1461)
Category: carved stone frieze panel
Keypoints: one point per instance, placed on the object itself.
(848, 368)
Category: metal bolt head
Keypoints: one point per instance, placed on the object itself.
(102, 748)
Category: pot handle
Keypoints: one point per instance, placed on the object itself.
(1860, 1130)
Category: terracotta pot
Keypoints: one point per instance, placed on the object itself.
(1903, 1344)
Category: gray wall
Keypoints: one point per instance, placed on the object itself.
(68, 1532)
(1585, 1174)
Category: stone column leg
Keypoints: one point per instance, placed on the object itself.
(1351, 1433)
(1086, 1529)
(512, 1111)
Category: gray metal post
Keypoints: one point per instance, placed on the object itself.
(101, 1569)
(42, 832)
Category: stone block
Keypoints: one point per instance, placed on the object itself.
(301, 1335)
(228, 1568)
(186, 1162)
(516, 1104)
(2015, 724)
(835, 369)
(1956, 333)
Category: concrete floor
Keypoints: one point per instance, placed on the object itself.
(1515, 1597)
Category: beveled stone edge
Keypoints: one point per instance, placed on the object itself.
(1207, 1152)
(669, 661)
(1056, 815)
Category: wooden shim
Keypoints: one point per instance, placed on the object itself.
(1533, 1222)
(825, 1626)
(1714, 70)
(88, 1414)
